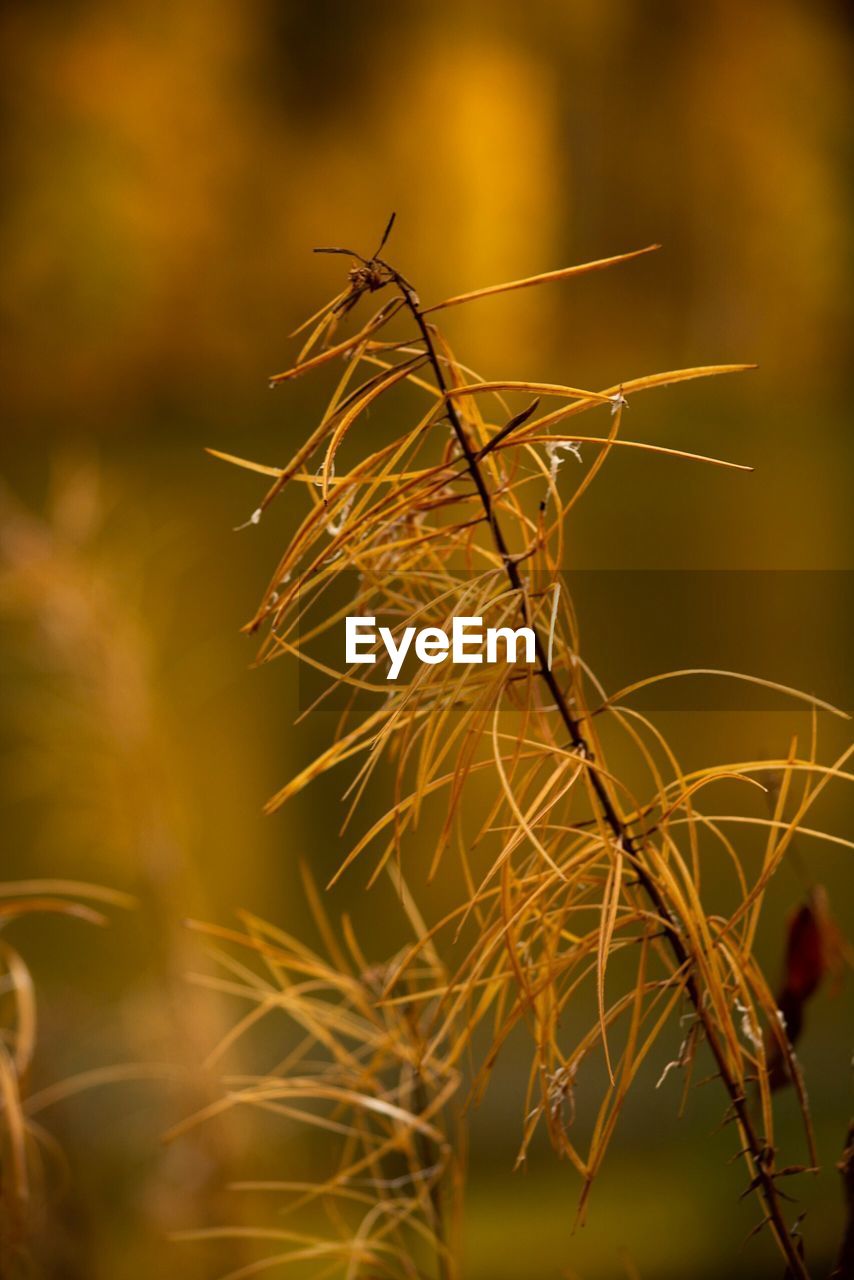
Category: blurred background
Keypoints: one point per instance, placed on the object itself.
(168, 168)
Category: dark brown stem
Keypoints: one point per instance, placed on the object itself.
(761, 1157)
(845, 1261)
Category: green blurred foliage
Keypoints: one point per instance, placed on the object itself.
(168, 168)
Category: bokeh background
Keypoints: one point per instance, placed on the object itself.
(168, 168)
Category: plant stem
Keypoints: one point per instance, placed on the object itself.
(845, 1261)
(431, 1156)
(760, 1156)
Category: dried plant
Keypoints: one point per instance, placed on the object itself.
(568, 868)
(361, 1071)
(90, 729)
(25, 1147)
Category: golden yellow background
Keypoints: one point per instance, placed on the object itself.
(168, 168)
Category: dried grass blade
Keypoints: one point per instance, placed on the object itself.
(547, 277)
(342, 348)
(610, 904)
